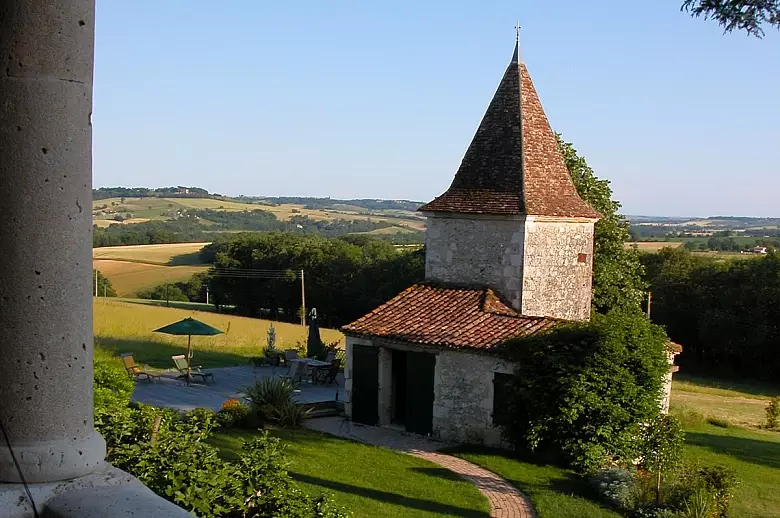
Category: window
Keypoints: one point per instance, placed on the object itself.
(582, 258)
(502, 394)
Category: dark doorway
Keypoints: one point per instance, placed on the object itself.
(412, 390)
(419, 392)
(365, 384)
(399, 387)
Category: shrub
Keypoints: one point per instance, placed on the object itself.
(616, 486)
(700, 504)
(717, 481)
(583, 390)
(773, 413)
(272, 399)
(660, 447)
(235, 413)
(719, 422)
(654, 511)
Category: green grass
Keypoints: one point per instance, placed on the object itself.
(755, 455)
(554, 492)
(128, 327)
(367, 480)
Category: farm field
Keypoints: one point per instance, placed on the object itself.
(152, 254)
(128, 277)
(127, 327)
(652, 246)
(153, 208)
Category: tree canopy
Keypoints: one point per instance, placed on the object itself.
(742, 15)
(617, 272)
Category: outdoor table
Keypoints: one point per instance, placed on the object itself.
(312, 365)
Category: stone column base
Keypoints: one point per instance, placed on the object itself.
(52, 460)
(107, 492)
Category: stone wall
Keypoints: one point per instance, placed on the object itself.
(476, 250)
(463, 402)
(557, 268)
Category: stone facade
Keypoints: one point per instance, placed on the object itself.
(558, 266)
(542, 266)
(463, 390)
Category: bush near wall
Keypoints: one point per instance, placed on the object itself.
(168, 453)
(582, 391)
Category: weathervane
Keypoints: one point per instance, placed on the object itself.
(517, 31)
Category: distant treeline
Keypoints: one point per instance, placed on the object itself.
(725, 314)
(190, 230)
(327, 203)
(346, 277)
(144, 192)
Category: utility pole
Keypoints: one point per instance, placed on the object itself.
(649, 303)
(167, 301)
(96, 289)
(207, 294)
(303, 301)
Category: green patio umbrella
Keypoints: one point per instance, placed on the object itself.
(189, 326)
(314, 343)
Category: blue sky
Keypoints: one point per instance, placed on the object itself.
(362, 99)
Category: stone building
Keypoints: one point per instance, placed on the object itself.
(509, 252)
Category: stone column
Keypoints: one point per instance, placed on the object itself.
(46, 57)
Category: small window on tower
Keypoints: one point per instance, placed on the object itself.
(582, 258)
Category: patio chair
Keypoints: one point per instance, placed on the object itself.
(330, 356)
(299, 372)
(133, 370)
(180, 361)
(327, 375)
(290, 354)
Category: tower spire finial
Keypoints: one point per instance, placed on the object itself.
(516, 56)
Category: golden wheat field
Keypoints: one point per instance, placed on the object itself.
(653, 246)
(156, 254)
(128, 278)
(127, 327)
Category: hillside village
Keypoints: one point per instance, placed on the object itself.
(514, 347)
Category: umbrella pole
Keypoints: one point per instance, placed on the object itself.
(189, 357)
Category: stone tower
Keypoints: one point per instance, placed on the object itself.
(512, 219)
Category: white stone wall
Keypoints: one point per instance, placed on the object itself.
(463, 397)
(555, 282)
(485, 251)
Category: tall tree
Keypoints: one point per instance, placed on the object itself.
(617, 271)
(743, 15)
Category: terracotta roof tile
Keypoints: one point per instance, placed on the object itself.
(449, 317)
(513, 165)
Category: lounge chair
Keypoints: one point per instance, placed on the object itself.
(133, 370)
(180, 361)
(327, 375)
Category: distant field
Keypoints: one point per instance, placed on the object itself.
(145, 209)
(127, 327)
(129, 277)
(390, 230)
(653, 246)
(157, 254)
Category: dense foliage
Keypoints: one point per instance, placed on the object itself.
(144, 192)
(169, 454)
(617, 271)
(726, 314)
(743, 15)
(344, 277)
(583, 390)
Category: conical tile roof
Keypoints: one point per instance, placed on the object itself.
(513, 165)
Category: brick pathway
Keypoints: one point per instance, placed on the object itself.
(506, 501)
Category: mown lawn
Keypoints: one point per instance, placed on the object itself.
(554, 492)
(127, 327)
(367, 480)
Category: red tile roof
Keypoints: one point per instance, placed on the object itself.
(513, 165)
(449, 317)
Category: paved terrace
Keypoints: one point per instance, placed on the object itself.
(229, 383)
